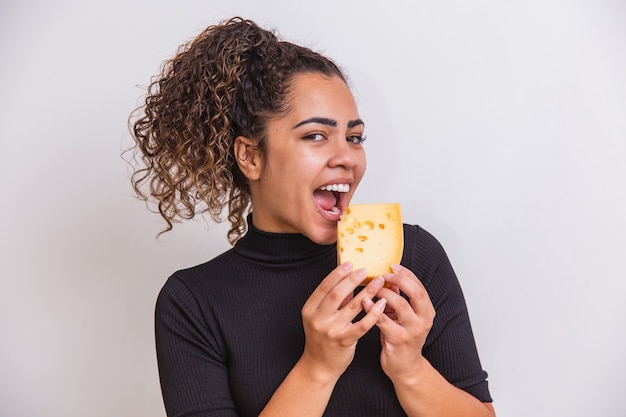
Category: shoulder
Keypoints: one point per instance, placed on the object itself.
(423, 253)
(423, 240)
(198, 276)
(187, 285)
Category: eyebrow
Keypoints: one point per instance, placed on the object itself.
(356, 122)
(328, 122)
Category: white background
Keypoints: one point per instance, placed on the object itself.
(499, 126)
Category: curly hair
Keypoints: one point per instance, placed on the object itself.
(223, 84)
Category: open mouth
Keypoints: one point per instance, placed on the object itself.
(330, 198)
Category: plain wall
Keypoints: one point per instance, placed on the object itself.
(499, 126)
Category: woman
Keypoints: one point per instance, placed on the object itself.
(241, 121)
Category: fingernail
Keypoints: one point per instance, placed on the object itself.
(361, 273)
(367, 303)
(378, 282)
(396, 268)
(347, 266)
(381, 304)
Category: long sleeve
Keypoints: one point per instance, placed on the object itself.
(228, 331)
(192, 369)
(450, 346)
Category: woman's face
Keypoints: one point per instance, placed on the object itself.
(313, 163)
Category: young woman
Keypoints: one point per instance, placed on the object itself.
(242, 123)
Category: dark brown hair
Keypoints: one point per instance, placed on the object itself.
(224, 83)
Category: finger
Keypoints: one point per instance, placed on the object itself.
(410, 285)
(401, 309)
(402, 278)
(408, 315)
(328, 283)
(391, 313)
(375, 312)
(334, 299)
(355, 305)
(393, 329)
(346, 300)
(385, 323)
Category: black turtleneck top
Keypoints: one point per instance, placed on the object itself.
(229, 331)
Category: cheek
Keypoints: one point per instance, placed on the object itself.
(362, 165)
(286, 170)
(306, 165)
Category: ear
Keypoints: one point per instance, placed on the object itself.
(249, 157)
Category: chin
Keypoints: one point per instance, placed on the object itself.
(329, 241)
(326, 237)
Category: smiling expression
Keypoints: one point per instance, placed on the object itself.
(313, 162)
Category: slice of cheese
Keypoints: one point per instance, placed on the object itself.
(371, 237)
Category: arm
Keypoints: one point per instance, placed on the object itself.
(427, 393)
(331, 339)
(193, 359)
(192, 371)
(421, 389)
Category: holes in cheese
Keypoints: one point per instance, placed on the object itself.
(371, 237)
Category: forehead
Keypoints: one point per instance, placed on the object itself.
(310, 93)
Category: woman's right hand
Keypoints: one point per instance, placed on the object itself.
(331, 336)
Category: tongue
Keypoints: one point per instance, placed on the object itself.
(325, 199)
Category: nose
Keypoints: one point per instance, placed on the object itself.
(345, 154)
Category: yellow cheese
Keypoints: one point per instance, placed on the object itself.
(371, 237)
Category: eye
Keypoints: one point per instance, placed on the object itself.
(358, 139)
(314, 137)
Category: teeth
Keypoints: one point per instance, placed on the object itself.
(342, 188)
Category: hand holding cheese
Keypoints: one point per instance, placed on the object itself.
(371, 237)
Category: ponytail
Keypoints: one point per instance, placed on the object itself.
(224, 83)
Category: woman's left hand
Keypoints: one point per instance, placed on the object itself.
(405, 324)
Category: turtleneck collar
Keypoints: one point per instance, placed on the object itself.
(280, 248)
